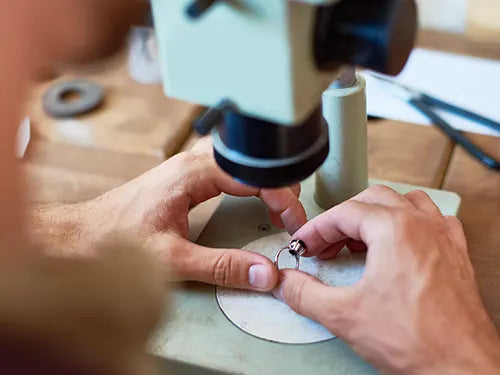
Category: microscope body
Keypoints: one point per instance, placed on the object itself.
(262, 67)
(255, 53)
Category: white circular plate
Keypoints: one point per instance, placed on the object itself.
(263, 316)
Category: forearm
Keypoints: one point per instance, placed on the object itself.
(63, 228)
(78, 228)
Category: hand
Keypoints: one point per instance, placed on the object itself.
(417, 308)
(155, 206)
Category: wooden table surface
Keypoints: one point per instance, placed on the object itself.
(60, 168)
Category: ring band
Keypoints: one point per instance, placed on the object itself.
(296, 248)
(277, 257)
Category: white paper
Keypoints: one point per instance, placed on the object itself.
(263, 316)
(468, 82)
(23, 137)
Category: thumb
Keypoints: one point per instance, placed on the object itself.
(310, 297)
(187, 261)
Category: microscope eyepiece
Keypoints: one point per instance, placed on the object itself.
(378, 35)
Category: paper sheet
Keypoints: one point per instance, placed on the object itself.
(468, 82)
(263, 316)
(23, 137)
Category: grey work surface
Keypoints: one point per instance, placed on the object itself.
(198, 334)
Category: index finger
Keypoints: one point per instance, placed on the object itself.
(284, 203)
(351, 219)
(206, 180)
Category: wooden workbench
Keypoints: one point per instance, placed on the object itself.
(138, 127)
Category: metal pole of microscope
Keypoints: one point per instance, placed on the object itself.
(345, 171)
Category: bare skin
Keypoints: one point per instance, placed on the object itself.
(417, 308)
(153, 209)
(45, 300)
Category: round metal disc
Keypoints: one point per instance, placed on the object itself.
(90, 96)
(263, 316)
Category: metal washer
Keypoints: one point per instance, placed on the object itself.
(91, 96)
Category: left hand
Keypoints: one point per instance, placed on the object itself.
(155, 207)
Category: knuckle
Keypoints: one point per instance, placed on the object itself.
(454, 222)
(222, 269)
(404, 222)
(440, 226)
(420, 195)
(381, 189)
(294, 295)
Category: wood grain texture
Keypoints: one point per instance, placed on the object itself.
(407, 153)
(483, 21)
(67, 173)
(465, 45)
(134, 118)
(479, 188)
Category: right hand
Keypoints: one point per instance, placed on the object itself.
(417, 308)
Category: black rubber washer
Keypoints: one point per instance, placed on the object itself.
(90, 96)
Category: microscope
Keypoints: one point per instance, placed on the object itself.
(285, 106)
(262, 66)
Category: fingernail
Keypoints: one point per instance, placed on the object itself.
(258, 276)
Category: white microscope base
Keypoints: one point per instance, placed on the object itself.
(201, 340)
